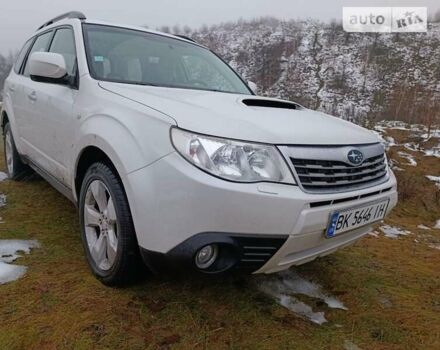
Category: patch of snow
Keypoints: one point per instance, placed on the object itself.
(436, 179)
(9, 273)
(3, 176)
(285, 285)
(411, 146)
(434, 133)
(393, 164)
(9, 249)
(393, 232)
(349, 345)
(394, 124)
(437, 224)
(374, 234)
(387, 141)
(300, 308)
(390, 141)
(423, 227)
(380, 129)
(435, 246)
(432, 153)
(408, 157)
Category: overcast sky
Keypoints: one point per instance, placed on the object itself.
(20, 18)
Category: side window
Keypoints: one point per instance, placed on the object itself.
(64, 44)
(40, 44)
(22, 56)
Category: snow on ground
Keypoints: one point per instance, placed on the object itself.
(436, 179)
(437, 224)
(417, 131)
(433, 152)
(3, 176)
(393, 231)
(286, 285)
(435, 246)
(433, 133)
(374, 234)
(411, 146)
(408, 157)
(423, 227)
(9, 252)
(393, 164)
(349, 345)
(387, 141)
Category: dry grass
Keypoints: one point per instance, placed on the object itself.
(391, 288)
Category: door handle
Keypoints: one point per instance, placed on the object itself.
(32, 96)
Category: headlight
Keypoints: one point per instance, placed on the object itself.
(232, 160)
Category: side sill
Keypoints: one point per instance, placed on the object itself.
(53, 181)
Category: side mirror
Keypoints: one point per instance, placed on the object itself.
(253, 87)
(47, 66)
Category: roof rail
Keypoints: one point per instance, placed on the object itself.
(71, 14)
(185, 37)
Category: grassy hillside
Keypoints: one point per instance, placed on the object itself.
(390, 286)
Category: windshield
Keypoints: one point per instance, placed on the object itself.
(136, 57)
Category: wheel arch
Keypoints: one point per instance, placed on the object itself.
(89, 155)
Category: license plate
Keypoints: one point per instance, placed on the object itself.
(350, 219)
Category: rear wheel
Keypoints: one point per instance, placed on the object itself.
(107, 228)
(15, 167)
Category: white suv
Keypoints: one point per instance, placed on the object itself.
(171, 157)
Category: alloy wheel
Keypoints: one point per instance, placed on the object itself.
(101, 225)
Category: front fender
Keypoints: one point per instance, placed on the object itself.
(131, 142)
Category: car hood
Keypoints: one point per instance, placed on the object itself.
(225, 115)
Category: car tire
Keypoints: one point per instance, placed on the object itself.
(16, 169)
(107, 228)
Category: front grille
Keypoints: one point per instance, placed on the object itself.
(316, 175)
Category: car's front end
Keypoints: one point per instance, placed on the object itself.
(195, 214)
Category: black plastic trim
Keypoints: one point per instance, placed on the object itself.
(245, 252)
(267, 103)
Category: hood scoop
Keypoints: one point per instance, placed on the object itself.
(253, 102)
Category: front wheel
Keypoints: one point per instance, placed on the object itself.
(107, 229)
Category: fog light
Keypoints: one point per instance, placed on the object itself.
(206, 256)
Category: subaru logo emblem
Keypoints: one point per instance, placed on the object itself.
(355, 157)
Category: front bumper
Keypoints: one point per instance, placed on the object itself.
(172, 201)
